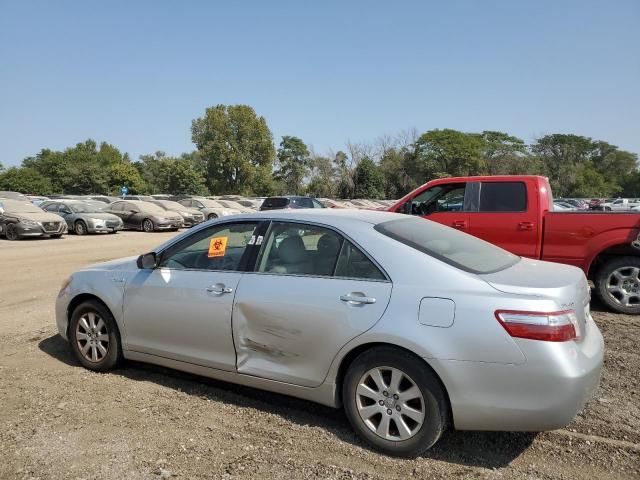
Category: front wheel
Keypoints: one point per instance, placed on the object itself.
(94, 337)
(618, 284)
(394, 401)
(12, 232)
(147, 225)
(212, 216)
(80, 228)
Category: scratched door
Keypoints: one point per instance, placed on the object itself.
(290, 327)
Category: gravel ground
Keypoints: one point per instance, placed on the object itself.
(59, 420)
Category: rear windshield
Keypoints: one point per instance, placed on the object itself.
(448, 245)
(275, 203)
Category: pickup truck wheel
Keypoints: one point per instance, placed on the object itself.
(618, 284)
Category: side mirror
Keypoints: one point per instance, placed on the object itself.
(147, 261)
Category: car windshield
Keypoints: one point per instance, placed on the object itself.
(20, 207)
(84, 208)
(458, 249)
(169, 205)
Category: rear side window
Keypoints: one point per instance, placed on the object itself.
(352, 263)
(301, 203)
(448, 245)
(503, 197)
(275, 202)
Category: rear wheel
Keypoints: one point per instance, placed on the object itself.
(147, 225)
(80, 228)
(94, 337)
(618, 284)
(12, 232)
(394, 401)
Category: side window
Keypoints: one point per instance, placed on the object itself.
(352, 263)
(53, 207)
(301, 202)
(317, 204)
(300, 250)
(216, 248)
(441, 198)
(503, 197)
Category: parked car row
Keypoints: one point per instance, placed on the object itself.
(88, 214)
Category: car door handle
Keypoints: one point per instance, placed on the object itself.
(461, 224)
(357, 297)
(219, 288)
(525, 226)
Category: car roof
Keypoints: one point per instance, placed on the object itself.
(325, 215)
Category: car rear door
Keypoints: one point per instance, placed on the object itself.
(506, 215)
(311, 292)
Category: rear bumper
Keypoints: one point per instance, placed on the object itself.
(544, 393)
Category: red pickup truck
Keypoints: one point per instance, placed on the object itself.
(516, 213)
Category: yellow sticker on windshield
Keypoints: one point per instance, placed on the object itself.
(217, 247)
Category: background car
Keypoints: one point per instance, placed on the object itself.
(209, 208)
(145, 216)
(145, 198)
(13, 195)
(190, 216)
(283, 202)
(232, 205)
(20, 219)
(84, 217)
(406, 323)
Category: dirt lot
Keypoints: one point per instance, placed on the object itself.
(58, 420)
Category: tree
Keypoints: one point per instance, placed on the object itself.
(368, 180)
(395, 167)
(322, 181)
(237, 146)
(503, 153)
(444, 153)
(125, 174)
(561, 156)
(1, 167)
(25, 180)
(293, 164)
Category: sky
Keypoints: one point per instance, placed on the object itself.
(136, 73)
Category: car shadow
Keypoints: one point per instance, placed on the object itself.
(477, 449)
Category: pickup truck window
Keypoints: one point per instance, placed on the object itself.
(503, 197)
(441, 198)
(448, 245)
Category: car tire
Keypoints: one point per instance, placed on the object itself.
(80, 228)
(57, 235)
(11, 232)
(94, 337)
(147, 225)
(607, 209)
(616, 279)
(408, 426)
(212, 216)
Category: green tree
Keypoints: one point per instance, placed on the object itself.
(322, 182)
(395, 165)
(503, 153)
(444, 153)
(562, 157)
(125, 174)
(237, 146)
(1, 167)
(293, 164)
(25, 180)
(368, 180)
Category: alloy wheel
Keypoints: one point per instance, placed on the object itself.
(623, 286)
(92, 337)
(390, 403)
(80, 228)
(147, 225)
(11, 232)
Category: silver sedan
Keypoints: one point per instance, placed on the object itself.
(410, 325)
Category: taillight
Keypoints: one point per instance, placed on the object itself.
(547, 326)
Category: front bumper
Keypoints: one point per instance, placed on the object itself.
(104, 228)
(173, 224)
(191, 221)
(40, 230)
(544, 393)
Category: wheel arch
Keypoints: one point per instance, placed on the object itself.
(612, 251)
(352, 354)
(84, 297)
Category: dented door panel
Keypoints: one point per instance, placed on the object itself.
(289, 328)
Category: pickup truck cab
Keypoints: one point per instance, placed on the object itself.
(516, 213)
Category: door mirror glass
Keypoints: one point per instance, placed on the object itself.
(147, 261)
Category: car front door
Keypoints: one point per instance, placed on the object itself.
(182, 309)
(443, 203)
(311, 292)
